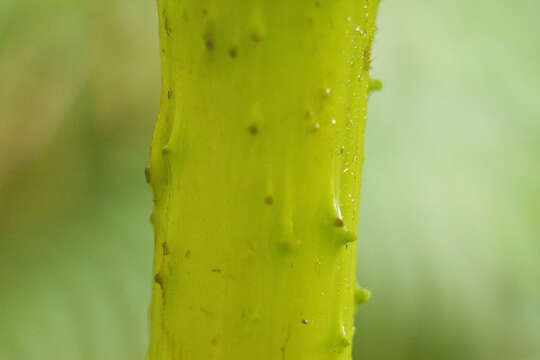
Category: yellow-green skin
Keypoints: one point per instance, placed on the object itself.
(256, 168)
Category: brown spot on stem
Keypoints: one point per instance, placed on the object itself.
(147, 175)
(209, 37)
(216, 270)
(166, 26)
(304, 321)
(158, 279)
(187, 255)
(233, 52)
(269, 200)
(165, 248)
(366, 57)
(256, 36)
(170, 94)
(253, 129)
(339, 222)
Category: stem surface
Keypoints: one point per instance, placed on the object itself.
(255, 167)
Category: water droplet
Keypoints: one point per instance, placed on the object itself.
(358, 28)
(333, 121)
(328, 91)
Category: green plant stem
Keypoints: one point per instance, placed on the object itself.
(255, 167)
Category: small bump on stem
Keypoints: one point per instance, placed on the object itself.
(361, 295)
(343, 340)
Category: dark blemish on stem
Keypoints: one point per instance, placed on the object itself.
(165, 150)
(158, 279)
(339, 222)
(187, 255)
(304, 321)
(205, 12)
(366, 57)
(256, 36)
(166, 26)
(317, 4)
(214, 340)
(147, 175)
(269, 200)
(205, 311)
(170, 94)
(186, 16)
(209, 37)
(253, 129)
(216, 270)
(233, 52)
(283, 347)
(165, 247)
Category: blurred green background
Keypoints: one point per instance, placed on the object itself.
(450, 212)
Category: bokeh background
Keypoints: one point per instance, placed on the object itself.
(450, 212)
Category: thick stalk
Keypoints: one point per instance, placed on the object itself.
(255, 167)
